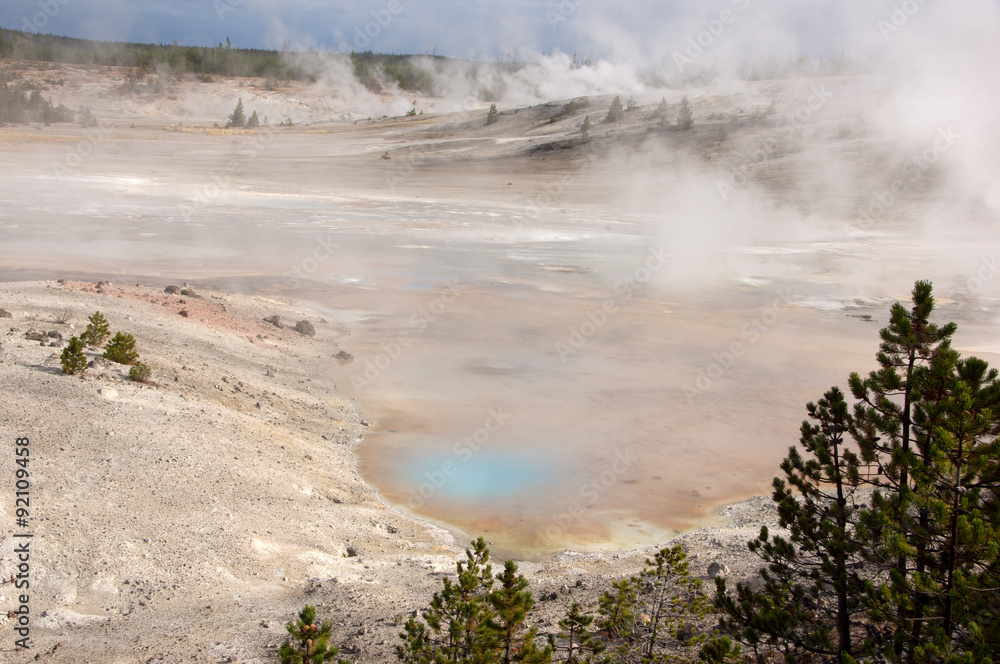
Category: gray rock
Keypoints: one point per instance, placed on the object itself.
(5, 314)
(172, 290)
(306, 328)
(344, 357)
(718, 570)
(36, 335)
(275, 320)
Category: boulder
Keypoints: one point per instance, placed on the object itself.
(718, 571)
(306, 328)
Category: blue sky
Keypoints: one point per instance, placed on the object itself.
(483, 29)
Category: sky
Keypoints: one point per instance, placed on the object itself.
(491, 29)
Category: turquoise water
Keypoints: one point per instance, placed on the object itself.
(485, 476)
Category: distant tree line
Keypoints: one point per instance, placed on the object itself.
(374, 70)
(20, 103)
(221, 60)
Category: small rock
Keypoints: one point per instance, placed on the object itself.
(190, 293)
(109, 393)
(35, 335)
(183, 312)
(5, 314)
(52, 334)
(306, 328)
(172, 290)
(275, 320)
(718, 570)
(344, 358)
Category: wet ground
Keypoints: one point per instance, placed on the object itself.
(547, 376)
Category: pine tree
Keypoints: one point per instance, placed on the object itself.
(73, 359)
(616, 112)
(810, 604)
(511, 602)
(140, 372)
(684, 118)
(581, 645)
(617, 606)
(661, 110)
(454, 626)
(308, 642)
(883, 428)
(661, 610)
(254, 121)
(97, 331)
(914, 576)
(954, 494)
(237, 119)
(492, 117)
(121, 349)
